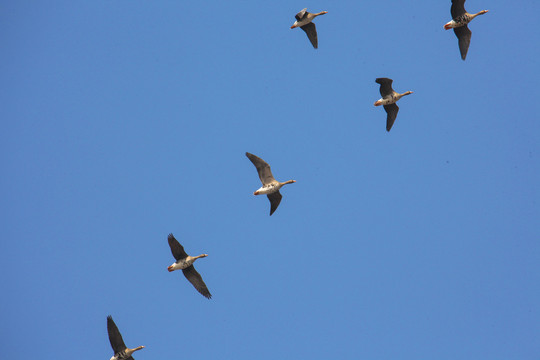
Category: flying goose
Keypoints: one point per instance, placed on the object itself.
(460, 19)
(388, 100)
(270, 185)
(185, 262)
(304, 21)
(121, 352)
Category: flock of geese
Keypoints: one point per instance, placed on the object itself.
(270, 186)
(460, 19)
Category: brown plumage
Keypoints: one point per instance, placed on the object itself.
(460, 19)
(121, 352)
(185, 262)
(270, 185)
(388, 100)
(304, 21)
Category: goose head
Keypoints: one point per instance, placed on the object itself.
(399, 96)
(131, 351)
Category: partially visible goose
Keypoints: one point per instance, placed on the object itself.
(185, 262)
(460, 19)
(388, 100)
(270, 185)
(304, 21)
(121, 352)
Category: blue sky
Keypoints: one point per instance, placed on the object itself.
(124, 121)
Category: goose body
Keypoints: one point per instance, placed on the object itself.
(121, 352)
(268, 189)
(391, 99)
(185, 262)
(304, 21)
(388, 100)
(460, 19)
(270, 186)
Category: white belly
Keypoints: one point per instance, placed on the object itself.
(272, 188)
(390, 99)
(451, 24)
(182, 264)
(387, 100)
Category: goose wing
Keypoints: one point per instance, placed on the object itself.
(196, 280)
(265, 174)
(391, 114)
(458, 8)
(275, 199)
(301, 14)
(464, 38)
(115, 338)
(311, 32)
(386, 86)
(177, 250)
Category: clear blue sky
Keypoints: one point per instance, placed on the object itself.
(123, 121)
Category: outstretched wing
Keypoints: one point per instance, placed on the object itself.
(386, 86)
(311, 32)
(464, 38)
(177, 250)
(196, 280)
(391, 114)
(301, 14)
(262, 168)
(115, 338)
(458, 8)
(275, 199)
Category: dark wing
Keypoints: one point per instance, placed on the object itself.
(262, 168)
(196, 280)
(386, 86)
(176, 249)
(303, 13)
(311, 33)
(458, 8)
(391, 111)
(464, 36)
(275, 199)
(117, 343)
(130, 358)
